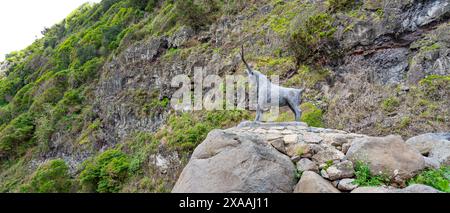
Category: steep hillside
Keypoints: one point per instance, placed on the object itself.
(86, 108)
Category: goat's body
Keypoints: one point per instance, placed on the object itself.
(286, 96)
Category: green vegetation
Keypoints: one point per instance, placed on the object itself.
(312, 39)
(186, 131)
(435, 87)
(308, 77)
(338, 5)
(312, 115)
(106, 172)
(390, 104)
(437, 178)
(51, 177)
(365, 178)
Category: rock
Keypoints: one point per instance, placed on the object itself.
(371, 189)
(311, 182)
(308, 137)
(298, 149)
(279, 145)
(307, 165)
(328, 155)
(346, 184)
(345, 147)
(419, 188)
(388, 155)
(290, 139)
(180, 37)
(431, 163)
(433, 145)
(230, 162)
(338, 171)
(415, 188)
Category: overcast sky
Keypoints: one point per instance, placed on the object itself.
(21, 21)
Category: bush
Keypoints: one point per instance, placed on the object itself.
(312, 115)
(192, 14)
(51, 177)
(16, 136)
(365, 178)
(338, 5)
(437, 178)
(390, 104)
(313, 39)
(186, 131)
(106, 172)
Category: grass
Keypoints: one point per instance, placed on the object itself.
(390, 104)
(436, 178)
(365, 178)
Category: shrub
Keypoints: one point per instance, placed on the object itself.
(312, 115)
(365, 178)
(186, 131)
(390, 104)
(313, 39)
(16, 136)
(338, 5)
(437, 178)
(192, 14)
(51, 177)
(106, 172)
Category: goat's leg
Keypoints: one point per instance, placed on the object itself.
(295, 109)
(258, 114)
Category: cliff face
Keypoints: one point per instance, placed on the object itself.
(100, 80)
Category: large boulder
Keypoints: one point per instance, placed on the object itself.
(236, 162)
(311, 182)
(434, 145)
(388, 155)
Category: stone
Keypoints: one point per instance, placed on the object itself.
(415, 188)
(290, 139)
(433, 145)
(371, 189)
(339, 171)
(228, 162)
(345, 147)
(311, 182)
(388, 155)
(298, 149)
(431, 163)
(346, 184)
(310, 138)
(327, 155)
(305, 164)
(279, 145)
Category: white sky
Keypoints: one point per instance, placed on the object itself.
(21, 21)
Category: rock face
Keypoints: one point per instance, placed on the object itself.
(388, 155)
(227, 162)
(311, 182)
(434, 145)
(264, 157)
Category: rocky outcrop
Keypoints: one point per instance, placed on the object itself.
(230, 162)
(246, 159)
(434, 145)
(388, 155)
